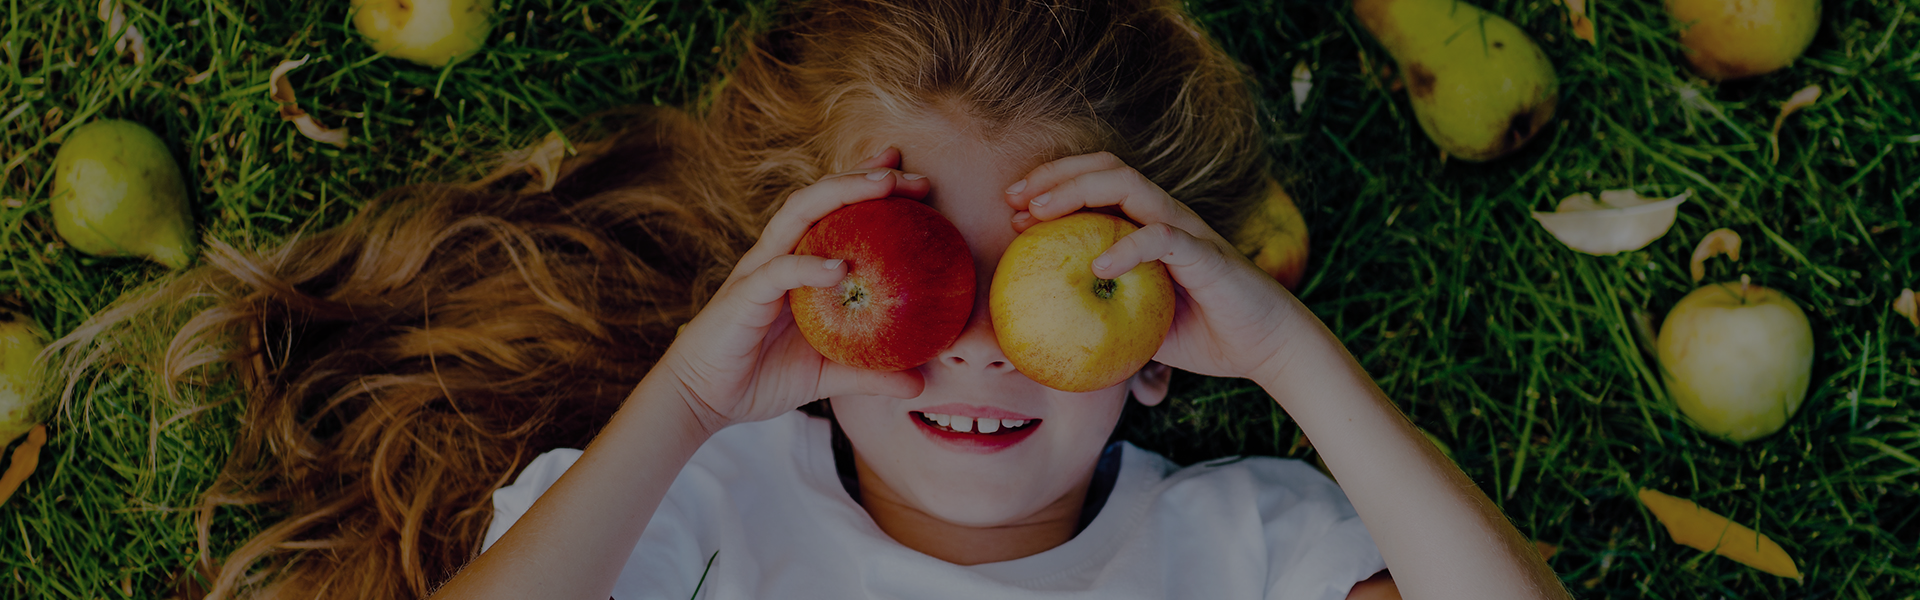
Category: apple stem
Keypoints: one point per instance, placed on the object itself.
(1104, 289)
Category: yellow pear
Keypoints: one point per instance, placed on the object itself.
(117, 191)
(20, 341)
(1731, 39)
(1480, 87)
(1274, 236)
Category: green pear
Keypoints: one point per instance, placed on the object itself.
(1480, 87)
(20, 341)
(117, 191)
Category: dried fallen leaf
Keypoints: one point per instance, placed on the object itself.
(1699, 528)
(546, 158)
(1619, 222)
(1717, 242)
(1905, 305)
(1577, 18)
(114, 12)
(1801, 99)
(25, 458)
(281, 90)
(1302, 85)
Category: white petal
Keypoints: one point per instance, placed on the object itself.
(1302, 85)
(1621, 221)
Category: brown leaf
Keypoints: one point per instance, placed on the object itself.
(281, 90)
(1717, 242)
(1905, 305)
(545, 159)
(1801, 99)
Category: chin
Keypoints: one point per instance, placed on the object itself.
(982, 506)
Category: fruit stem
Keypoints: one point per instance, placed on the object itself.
(1104, 289)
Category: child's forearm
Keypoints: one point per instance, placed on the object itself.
(576, 538)
(1441, 536)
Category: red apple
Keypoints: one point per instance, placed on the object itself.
(908, 289)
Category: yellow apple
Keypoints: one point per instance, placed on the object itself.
(1274, 235)
(429, 32)
(1736, 359)
(1066, 328)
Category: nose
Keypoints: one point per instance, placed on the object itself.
(977, 349)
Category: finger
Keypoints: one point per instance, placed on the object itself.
(1193, 262)
(888, 158)
(841, 380)
(755, 299)
(1046, 177)
(1124, 188)
(816, 201)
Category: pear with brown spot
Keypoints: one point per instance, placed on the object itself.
(1480, 87)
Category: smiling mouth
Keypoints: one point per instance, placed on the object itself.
(970, 425)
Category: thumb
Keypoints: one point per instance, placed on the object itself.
(841, 380)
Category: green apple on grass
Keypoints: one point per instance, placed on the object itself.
(1736, 357)
(429, 32)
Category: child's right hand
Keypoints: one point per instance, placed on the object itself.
(742, 359)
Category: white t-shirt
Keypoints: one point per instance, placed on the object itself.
(766, 497)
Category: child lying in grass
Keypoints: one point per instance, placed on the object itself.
(405, 365)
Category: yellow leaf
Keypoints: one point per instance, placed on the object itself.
(1577, 18)
(25, 458)
(281, 90)
(114, 13)
(1801, 99)
(1619, 222)
(1717, 242)
(1705, 530)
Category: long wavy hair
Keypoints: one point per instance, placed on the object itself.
(398, 368)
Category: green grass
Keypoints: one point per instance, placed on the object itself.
(1517, 352)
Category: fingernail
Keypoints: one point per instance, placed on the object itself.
(1040, 200)
(1017, 186)
(833, 263)
(1022, 217)
(913, 176)
(877, 175)
(1100, 264)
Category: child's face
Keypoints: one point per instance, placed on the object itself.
(1038, 471)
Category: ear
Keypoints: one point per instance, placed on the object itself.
(1149, 386)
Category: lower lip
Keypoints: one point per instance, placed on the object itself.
(973, 443)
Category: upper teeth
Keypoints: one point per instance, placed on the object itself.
(966, 424)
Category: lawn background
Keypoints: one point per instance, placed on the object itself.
(1515, 351)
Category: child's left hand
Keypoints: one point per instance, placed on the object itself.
(1229, 316)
